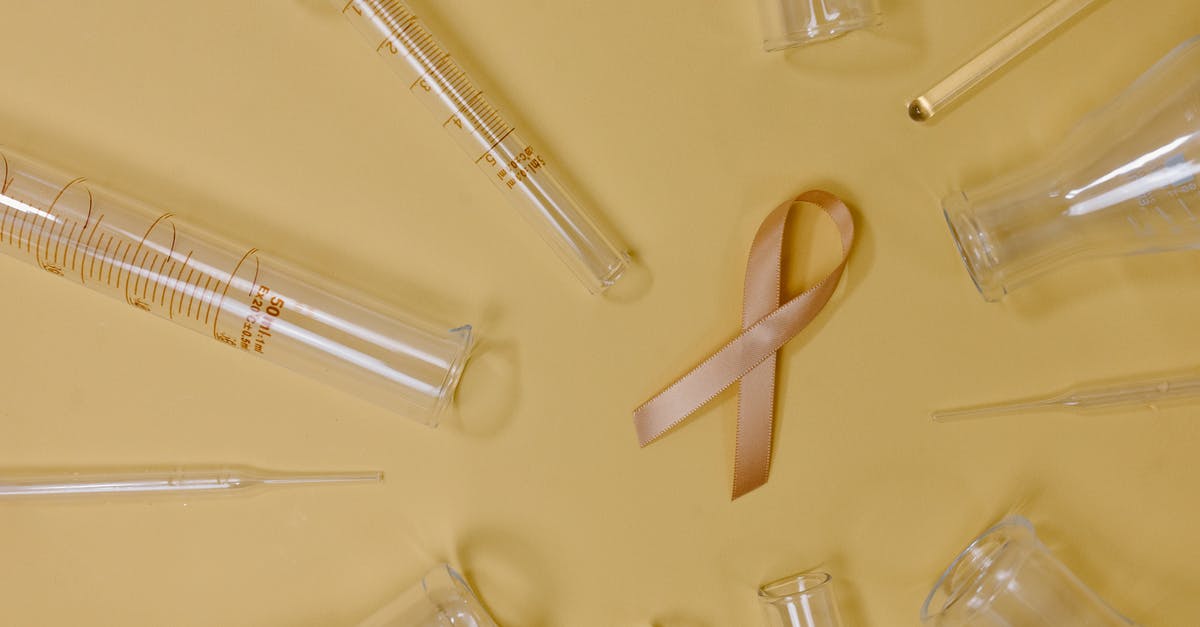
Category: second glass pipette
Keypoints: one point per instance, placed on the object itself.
(191, 480)
(1147, 391)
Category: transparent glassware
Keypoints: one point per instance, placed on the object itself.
(523, 172)
(805, 600)
(159, 264)
(788, 23)
(1008, 578)
(1123, 182)
(190, 480)
(441, 599)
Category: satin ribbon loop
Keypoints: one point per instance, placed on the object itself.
(751, 357)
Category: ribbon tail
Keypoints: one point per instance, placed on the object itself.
(755, 424)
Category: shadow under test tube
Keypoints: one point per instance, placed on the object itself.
(519, 170)
(230, 292)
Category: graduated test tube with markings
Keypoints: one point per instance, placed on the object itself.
(519, 169)
(257, 305)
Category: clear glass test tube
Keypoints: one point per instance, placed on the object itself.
(522, 172)
(258, 305)
(788, 23)
(805, 600)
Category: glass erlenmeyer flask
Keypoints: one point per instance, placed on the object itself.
(1123, 182)
(1008, 578)
(800, 601)
(441, 599)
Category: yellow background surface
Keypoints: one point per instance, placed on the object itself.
(272, 120)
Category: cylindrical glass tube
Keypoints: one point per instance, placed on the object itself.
(1007, 577)
(441, 599)
(521, 171)
(190, 480)
(788, 23)
(800, 601)
(962, 80)
(157, 263)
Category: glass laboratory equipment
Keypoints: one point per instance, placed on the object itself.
(1130, 392)
(441, 599)
(788, 23)
(185, 481)
(523, 172)
(971, 74)
(1008, 578)
(800, 601)
(255, 304)
(1123, 182)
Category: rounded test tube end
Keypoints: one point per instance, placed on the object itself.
(919, 110)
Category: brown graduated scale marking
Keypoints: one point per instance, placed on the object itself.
(88, 246)
(49, 213)
(114, 264)
(175, 286)
(196, 296)
(86, 221)
(438, 67)
(141, 243)
(104, 258)
(126, 264)
(67, 250)
(133, 276)
(189, 290)
(208, 299)
(6, 181)
(493, 146)
(58, 241)
(21, 234)
(94, 255)
(52, 257)
(221, 302)
(159, 276)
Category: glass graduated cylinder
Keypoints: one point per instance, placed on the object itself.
(231, 292)
(520, 170)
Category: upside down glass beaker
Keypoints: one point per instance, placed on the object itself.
(788, 23)
(1123, 182)
(800, 601)
(441, 599)
(1008, 578)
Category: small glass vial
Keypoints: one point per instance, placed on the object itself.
(788, 23)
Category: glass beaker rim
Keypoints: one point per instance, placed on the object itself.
(793, 586)
(1011, 523)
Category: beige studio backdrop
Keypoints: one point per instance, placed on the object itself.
(270, 120)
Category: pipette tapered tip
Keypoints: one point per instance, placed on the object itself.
(373, 476)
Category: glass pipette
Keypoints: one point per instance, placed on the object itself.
(521, 171)
(191, 480)
(999, 54)
(1148, 392)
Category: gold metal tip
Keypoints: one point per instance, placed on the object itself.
(918, 111)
